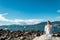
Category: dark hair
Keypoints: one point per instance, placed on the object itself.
(49, 22)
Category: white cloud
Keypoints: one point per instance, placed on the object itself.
(58, 17)
(58, 11)
(33, 21)
(2, 18)
(19, 21)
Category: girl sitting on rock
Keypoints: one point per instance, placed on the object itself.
(48, 29)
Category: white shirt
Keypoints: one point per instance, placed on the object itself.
(49, 31)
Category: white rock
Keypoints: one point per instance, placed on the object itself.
(44, 37)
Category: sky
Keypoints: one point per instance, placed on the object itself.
(29, 11)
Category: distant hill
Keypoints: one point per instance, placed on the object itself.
(56, 23)
(40, 26)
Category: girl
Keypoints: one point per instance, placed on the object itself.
(48, 29)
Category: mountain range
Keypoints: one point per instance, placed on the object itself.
(39, 26)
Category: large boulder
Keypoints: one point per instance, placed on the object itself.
(44, 37)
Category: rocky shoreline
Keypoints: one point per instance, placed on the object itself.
(22, 35)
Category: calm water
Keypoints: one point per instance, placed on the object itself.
(41, 28)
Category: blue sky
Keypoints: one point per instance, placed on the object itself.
(30, 9)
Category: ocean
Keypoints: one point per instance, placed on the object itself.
(27, 28)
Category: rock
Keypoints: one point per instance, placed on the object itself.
(44, 37)
(25, 35)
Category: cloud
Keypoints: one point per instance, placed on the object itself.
(58, 11)
(19, 21)
(33, 21)
(58, 17)
(2, 18)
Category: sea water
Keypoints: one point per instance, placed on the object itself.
(27, 28)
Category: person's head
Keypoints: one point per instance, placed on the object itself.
(48, 23)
